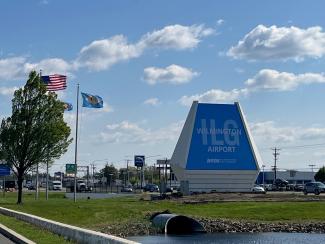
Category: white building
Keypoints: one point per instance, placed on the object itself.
(215, 151)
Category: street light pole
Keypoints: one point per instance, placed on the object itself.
(110, 181)
(263, 166)
(93, 166)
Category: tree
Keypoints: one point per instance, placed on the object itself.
(320, 175)
(110, 172)
(35, 133)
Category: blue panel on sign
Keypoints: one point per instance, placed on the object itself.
(4, 170)
(139, 160)
(219, 140)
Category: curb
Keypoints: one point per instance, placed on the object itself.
(14, 236)
(80, 235)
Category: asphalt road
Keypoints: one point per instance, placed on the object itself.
(4, 240)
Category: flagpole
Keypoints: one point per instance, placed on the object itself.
(47, 161)
(76, 149)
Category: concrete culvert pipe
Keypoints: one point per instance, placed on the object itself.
(177, 224)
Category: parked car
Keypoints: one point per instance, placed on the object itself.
(268, 187)
(314, 187)
(280, 185)
(151, 188)
(298, 187)
(290, 187)
(31, 187)
(258, 189)
(170, 189)
(281, 182)
(126, 189)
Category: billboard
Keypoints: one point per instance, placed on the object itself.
(219, 140)
(139, 160)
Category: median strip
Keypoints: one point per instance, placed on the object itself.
(70, 232)
(14, 236)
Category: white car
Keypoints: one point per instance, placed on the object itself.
(258, 189)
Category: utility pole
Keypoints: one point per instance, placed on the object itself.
(93, 174)
(275, 154)
(312, 167)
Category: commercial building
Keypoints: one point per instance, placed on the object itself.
(292, 176)
(215, 151)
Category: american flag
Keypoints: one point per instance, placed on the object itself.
(55, 82)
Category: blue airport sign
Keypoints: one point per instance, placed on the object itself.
(219, 140)
(139, 160)
(4, 170)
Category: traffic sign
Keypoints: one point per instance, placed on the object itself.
(139, 160)
(70, 168)
(4, 170)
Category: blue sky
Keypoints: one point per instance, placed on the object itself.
(150, 59)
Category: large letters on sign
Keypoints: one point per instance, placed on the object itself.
(219, 140)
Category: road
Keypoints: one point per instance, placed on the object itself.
(4, 240)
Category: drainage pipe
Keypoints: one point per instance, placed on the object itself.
(177, 224)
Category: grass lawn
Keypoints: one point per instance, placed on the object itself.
(95, 214)
(31, 232)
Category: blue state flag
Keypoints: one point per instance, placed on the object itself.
(91, 101)
(67, 106)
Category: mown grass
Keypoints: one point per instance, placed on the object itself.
(104, 212)
(31, 232)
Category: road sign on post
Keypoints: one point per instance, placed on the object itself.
(139, 160)
(4, 170)
(70, 168)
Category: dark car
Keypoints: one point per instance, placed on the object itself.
(31, 187)
(151, 188)
(280, 185)
(281, 182)
(126, 189)
(314, 187)
(299, 187)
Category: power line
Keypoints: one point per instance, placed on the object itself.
(300, 146)
(312, 167)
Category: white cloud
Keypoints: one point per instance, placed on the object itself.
(177, 37)
(51, 66)
(268, 132)
(15, 68)
(263, 43)
(265, 79)
(12, 68)
(214, 96)
(274, 80)
(152, 101)
(102, 54)
(173, 74)
(8, 91)
(128, 132)
(220, 22)
(105, 109)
